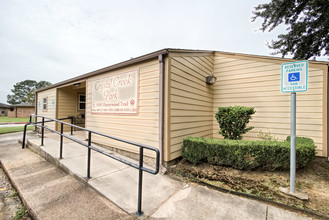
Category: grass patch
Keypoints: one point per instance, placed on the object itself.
(14, 194)
(5, 130)
(20, 213)
(6, 119)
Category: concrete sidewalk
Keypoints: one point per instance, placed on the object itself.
(50, 193)
(163, 197)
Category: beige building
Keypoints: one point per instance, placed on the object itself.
(21, 111)
(160, 98)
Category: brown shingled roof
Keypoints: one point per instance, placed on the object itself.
(4, 105)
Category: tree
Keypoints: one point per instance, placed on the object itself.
(42, 84)
(24, 91)
(308, 24)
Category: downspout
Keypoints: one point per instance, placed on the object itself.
(36, 108)
(161, 111)
(327, 115)
(36, 103)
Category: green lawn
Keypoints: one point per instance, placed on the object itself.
(5, 130)
(6, 119)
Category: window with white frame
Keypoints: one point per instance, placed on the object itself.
(44, 104)
(82, 102)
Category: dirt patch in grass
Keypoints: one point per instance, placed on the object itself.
(313, 180)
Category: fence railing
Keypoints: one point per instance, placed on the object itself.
(139, 166)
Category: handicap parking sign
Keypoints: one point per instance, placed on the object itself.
(294, 77)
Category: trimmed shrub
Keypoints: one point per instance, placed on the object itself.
(302, 140)
(233, 121)
(247, 155)
(305, 154)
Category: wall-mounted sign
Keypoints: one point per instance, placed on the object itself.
(294, 76)
(115, 94)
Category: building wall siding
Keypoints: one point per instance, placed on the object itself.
(141, 128)
(257, 83)
(12, 113)
(24, 112)
(190, 101)
(190, 104)
(51, 96)
(68, 103)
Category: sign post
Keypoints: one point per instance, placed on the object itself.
(294, 78)
(293, 143)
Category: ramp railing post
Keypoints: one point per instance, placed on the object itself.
(140, 182)
(89, 155)
(24, 135)
(71, 126)
(61, 143)
(42, 130)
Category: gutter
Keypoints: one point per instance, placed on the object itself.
(36, 108)
(161, 111)
(109, 68)
(36, 103)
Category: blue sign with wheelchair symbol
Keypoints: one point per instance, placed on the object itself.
(294, 77)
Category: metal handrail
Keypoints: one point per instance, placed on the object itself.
(70, 117)
(138, 166)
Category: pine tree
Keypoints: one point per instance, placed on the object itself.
(24, 91)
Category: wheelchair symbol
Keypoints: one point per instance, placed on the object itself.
(294, 77)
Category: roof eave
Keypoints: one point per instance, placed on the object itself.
(109, 68)
(156, 54)
(270, 57)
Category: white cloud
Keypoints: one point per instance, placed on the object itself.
(57, 40)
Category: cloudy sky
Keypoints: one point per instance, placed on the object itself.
(54, 40)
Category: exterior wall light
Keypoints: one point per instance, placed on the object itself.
(76, 84)
(210, 80)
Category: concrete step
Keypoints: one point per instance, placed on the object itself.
(113, 179)
(50, 193)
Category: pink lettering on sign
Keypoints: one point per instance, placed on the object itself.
(108, 95)
(122, 82)
(98, 86)
(117, 93)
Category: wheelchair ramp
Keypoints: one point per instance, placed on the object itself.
(113, 179)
